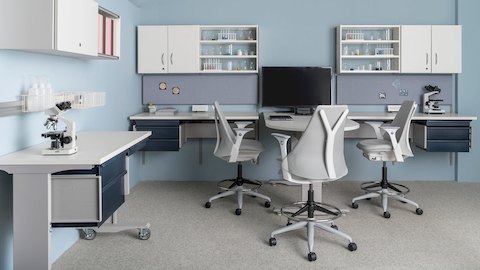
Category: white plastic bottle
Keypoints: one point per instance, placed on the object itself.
(32, 99)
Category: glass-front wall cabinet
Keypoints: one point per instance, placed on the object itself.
(229, 49)
(368, 49)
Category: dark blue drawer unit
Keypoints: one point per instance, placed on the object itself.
(81, 196)
(442, 136)
(165, 134)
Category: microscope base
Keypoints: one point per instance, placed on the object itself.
(65, 151)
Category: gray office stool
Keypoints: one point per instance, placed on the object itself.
(317, 157)
(233, 148)
(392, 146)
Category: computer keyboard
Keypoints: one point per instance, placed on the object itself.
(282, 117)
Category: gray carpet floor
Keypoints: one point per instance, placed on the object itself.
(185, 235)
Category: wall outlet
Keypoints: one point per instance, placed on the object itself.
(403, 92)
(382, 95)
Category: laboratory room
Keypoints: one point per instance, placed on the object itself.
(274, 134)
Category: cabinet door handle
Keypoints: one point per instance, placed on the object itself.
(171, 58)
(436, 59)
(163, 63)
(426, 61)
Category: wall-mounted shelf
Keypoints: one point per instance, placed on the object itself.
(10, 108)
(231, 49)
(368, 49)
(39, 103)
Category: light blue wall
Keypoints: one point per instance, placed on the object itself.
(302, 33)
(291, 33)
(117, 78)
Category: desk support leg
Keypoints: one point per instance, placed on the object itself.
(31, 221)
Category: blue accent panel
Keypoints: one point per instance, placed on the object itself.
(201, 89)
(364, 89)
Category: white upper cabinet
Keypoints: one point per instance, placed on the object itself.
(416, 49)
(431, 49)
(446, 48)
(77, 26)
(152, 49)
(183, 48)
(197, 49)
(167, 49)
(62, 27)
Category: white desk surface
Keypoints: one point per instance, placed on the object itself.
(385, 116)
(195, 116)
(298, 122)
(94, 148)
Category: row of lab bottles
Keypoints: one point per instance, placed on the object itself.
(39, 94)
(363, 34)
(212, 64)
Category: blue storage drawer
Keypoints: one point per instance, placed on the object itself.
(165, 134)
(448, 146)
(448, 133)
(442, 136)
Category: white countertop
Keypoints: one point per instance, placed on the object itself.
(195, 116)
(300, 122)
(94, 148)
(379, 116)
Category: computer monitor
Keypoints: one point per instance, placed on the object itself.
(296, 87)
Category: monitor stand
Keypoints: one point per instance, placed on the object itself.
(303, 111)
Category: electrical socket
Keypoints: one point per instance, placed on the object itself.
(382, 95)
(403, 92)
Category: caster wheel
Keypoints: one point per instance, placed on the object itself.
(352, 246)
(267, 204)
(368, 199)
(312, 256)
(89, 234)
(272, 242)
(238, 211)
(208, 204)
(354, 205)
(386, 214)
(419, 211)
(144, 234)
(334, 227)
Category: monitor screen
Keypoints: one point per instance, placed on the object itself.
(296, 86)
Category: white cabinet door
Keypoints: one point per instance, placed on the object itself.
(152, 49)
(183, 49)
(446, 48)
(415, 49)
(76, 26)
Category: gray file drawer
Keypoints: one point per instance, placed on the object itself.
(442, 136)
(87, 198)
(76, 198)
